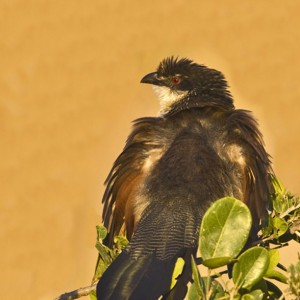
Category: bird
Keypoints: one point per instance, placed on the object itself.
(199, 148)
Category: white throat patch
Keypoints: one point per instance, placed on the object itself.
(167, 97)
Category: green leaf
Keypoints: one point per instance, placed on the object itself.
(216, 289)
(248, 297)
(198, 284)
(274, 260)
(204, 287)
(277, 276)
(104, 260)
(280, 225)
(218, 245)
(216, 262)
(250, 267)
(257, 294)
(277, 184)
(261, 285)
(121, 241)
(193, 292)
(280, 203)
(100, 269)
(253, 295)
(267, 228)
(103, 252)
(101, 232)
(177, 271)
(93, 295)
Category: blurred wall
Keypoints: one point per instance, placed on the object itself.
(69, 88)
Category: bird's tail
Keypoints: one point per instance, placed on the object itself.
(146, 277)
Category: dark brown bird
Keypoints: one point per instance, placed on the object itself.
(173, 167)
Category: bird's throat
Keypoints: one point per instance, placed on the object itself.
(167, 97)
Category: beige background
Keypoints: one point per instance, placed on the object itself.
(69, 88)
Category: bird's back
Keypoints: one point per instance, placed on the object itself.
(171, 170)
(182, 175)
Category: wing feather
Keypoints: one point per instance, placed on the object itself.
(257, 167)
(126, 176)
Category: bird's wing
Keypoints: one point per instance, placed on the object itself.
(142, 148)
(255, 162)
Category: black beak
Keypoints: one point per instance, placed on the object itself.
(152, 79)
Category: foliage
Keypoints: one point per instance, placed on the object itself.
(294, 279)
(106, 255)
(244, 271)
(217, 244)
(254, 266)
(284, 219)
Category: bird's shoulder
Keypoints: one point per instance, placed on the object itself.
(243, 129)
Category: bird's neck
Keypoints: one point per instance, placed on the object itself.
(215, 102)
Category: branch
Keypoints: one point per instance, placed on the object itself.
(85, 291)
(292, 208)
(295, 227)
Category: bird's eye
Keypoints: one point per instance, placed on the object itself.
(176, 80)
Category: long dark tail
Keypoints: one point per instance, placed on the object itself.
(144, 278)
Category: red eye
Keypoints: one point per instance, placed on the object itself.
(176, 80)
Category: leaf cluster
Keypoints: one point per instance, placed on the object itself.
(234, 269)
(228, 222)
(224, 232)
(106, 255)
(283, 222)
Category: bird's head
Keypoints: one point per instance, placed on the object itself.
(181, 83)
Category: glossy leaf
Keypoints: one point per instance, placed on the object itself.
(216, 262)
(277, 276)
(271, 273)
(250, 267)
(224, 231)
(274, 259)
